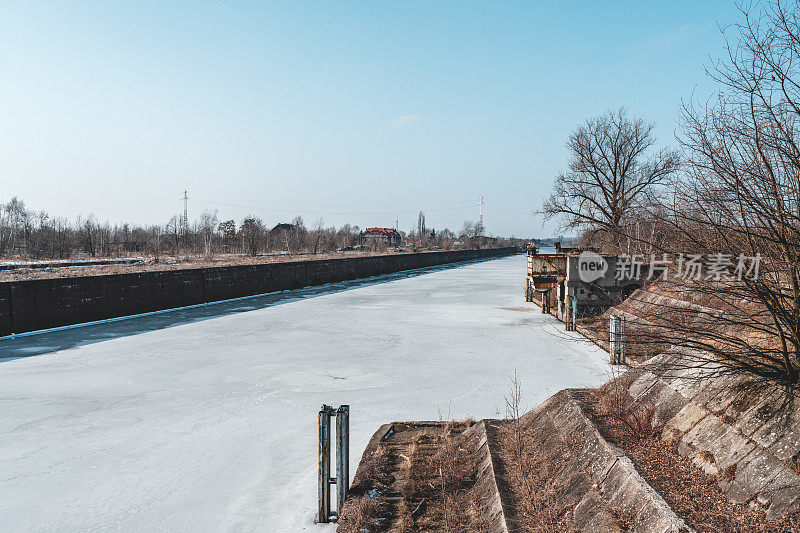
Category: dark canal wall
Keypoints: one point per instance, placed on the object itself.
(48, 303)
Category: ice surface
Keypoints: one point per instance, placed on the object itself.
(210, 425)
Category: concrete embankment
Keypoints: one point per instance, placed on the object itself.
(746, 439)
(48, 303)
(590, 482)
(743, 432)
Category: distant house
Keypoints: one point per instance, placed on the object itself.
(390, 236)
(281, 227)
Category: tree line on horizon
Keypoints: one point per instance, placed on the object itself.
(28, 234)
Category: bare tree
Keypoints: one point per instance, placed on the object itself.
(471, 232)
(26, 233)
(228, 231)
(738, 208)
(154, 241)
(88, 230)
(207, 229)
(63, 238)
(297, 234)
(252, 232)
(347, 236)
(174, 226)
(317, 234)
(610, 171)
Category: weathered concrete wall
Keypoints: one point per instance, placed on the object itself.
(745, 433)
(748, 436)
(47, 303)
(592, 477)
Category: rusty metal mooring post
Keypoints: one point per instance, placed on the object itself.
(574, 313)
(324, 514)
(568, 313)
(342, 456)
(342, 479)
(612, 339)
(616, 340)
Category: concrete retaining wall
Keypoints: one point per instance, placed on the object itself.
(748, 435)
(47, 303)
(593, 479)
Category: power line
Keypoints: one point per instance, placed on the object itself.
(314, 212)
(327, 208)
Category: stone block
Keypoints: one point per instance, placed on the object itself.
(730, 448)
(781, 435)
(753, 474)
(642, 384)
(784, 497)
(760, 412)
(591, 515)
(668, 403)
(685, 420)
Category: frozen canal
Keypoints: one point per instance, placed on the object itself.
(210, 424)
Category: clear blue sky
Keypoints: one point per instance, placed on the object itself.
(364, 112)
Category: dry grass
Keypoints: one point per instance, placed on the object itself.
(180, 263)
(793, 463)
(693, 494)
(367, 505)
(618, 410)
(428, 486)
(530, 475)
(439, 475)
(362, 514)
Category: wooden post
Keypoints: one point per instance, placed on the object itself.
(342, 456)
(324, 515)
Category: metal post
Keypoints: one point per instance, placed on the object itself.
(612, 339)
(574, 313)
(342, 456)
(621, 339)
(568, 312)
(324, 514)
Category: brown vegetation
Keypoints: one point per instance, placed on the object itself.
(530, 472)
(184, 262)
(367, 504)
(693, 494)
(425, 484)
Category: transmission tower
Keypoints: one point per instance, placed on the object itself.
(480, 219)
(185, 210)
